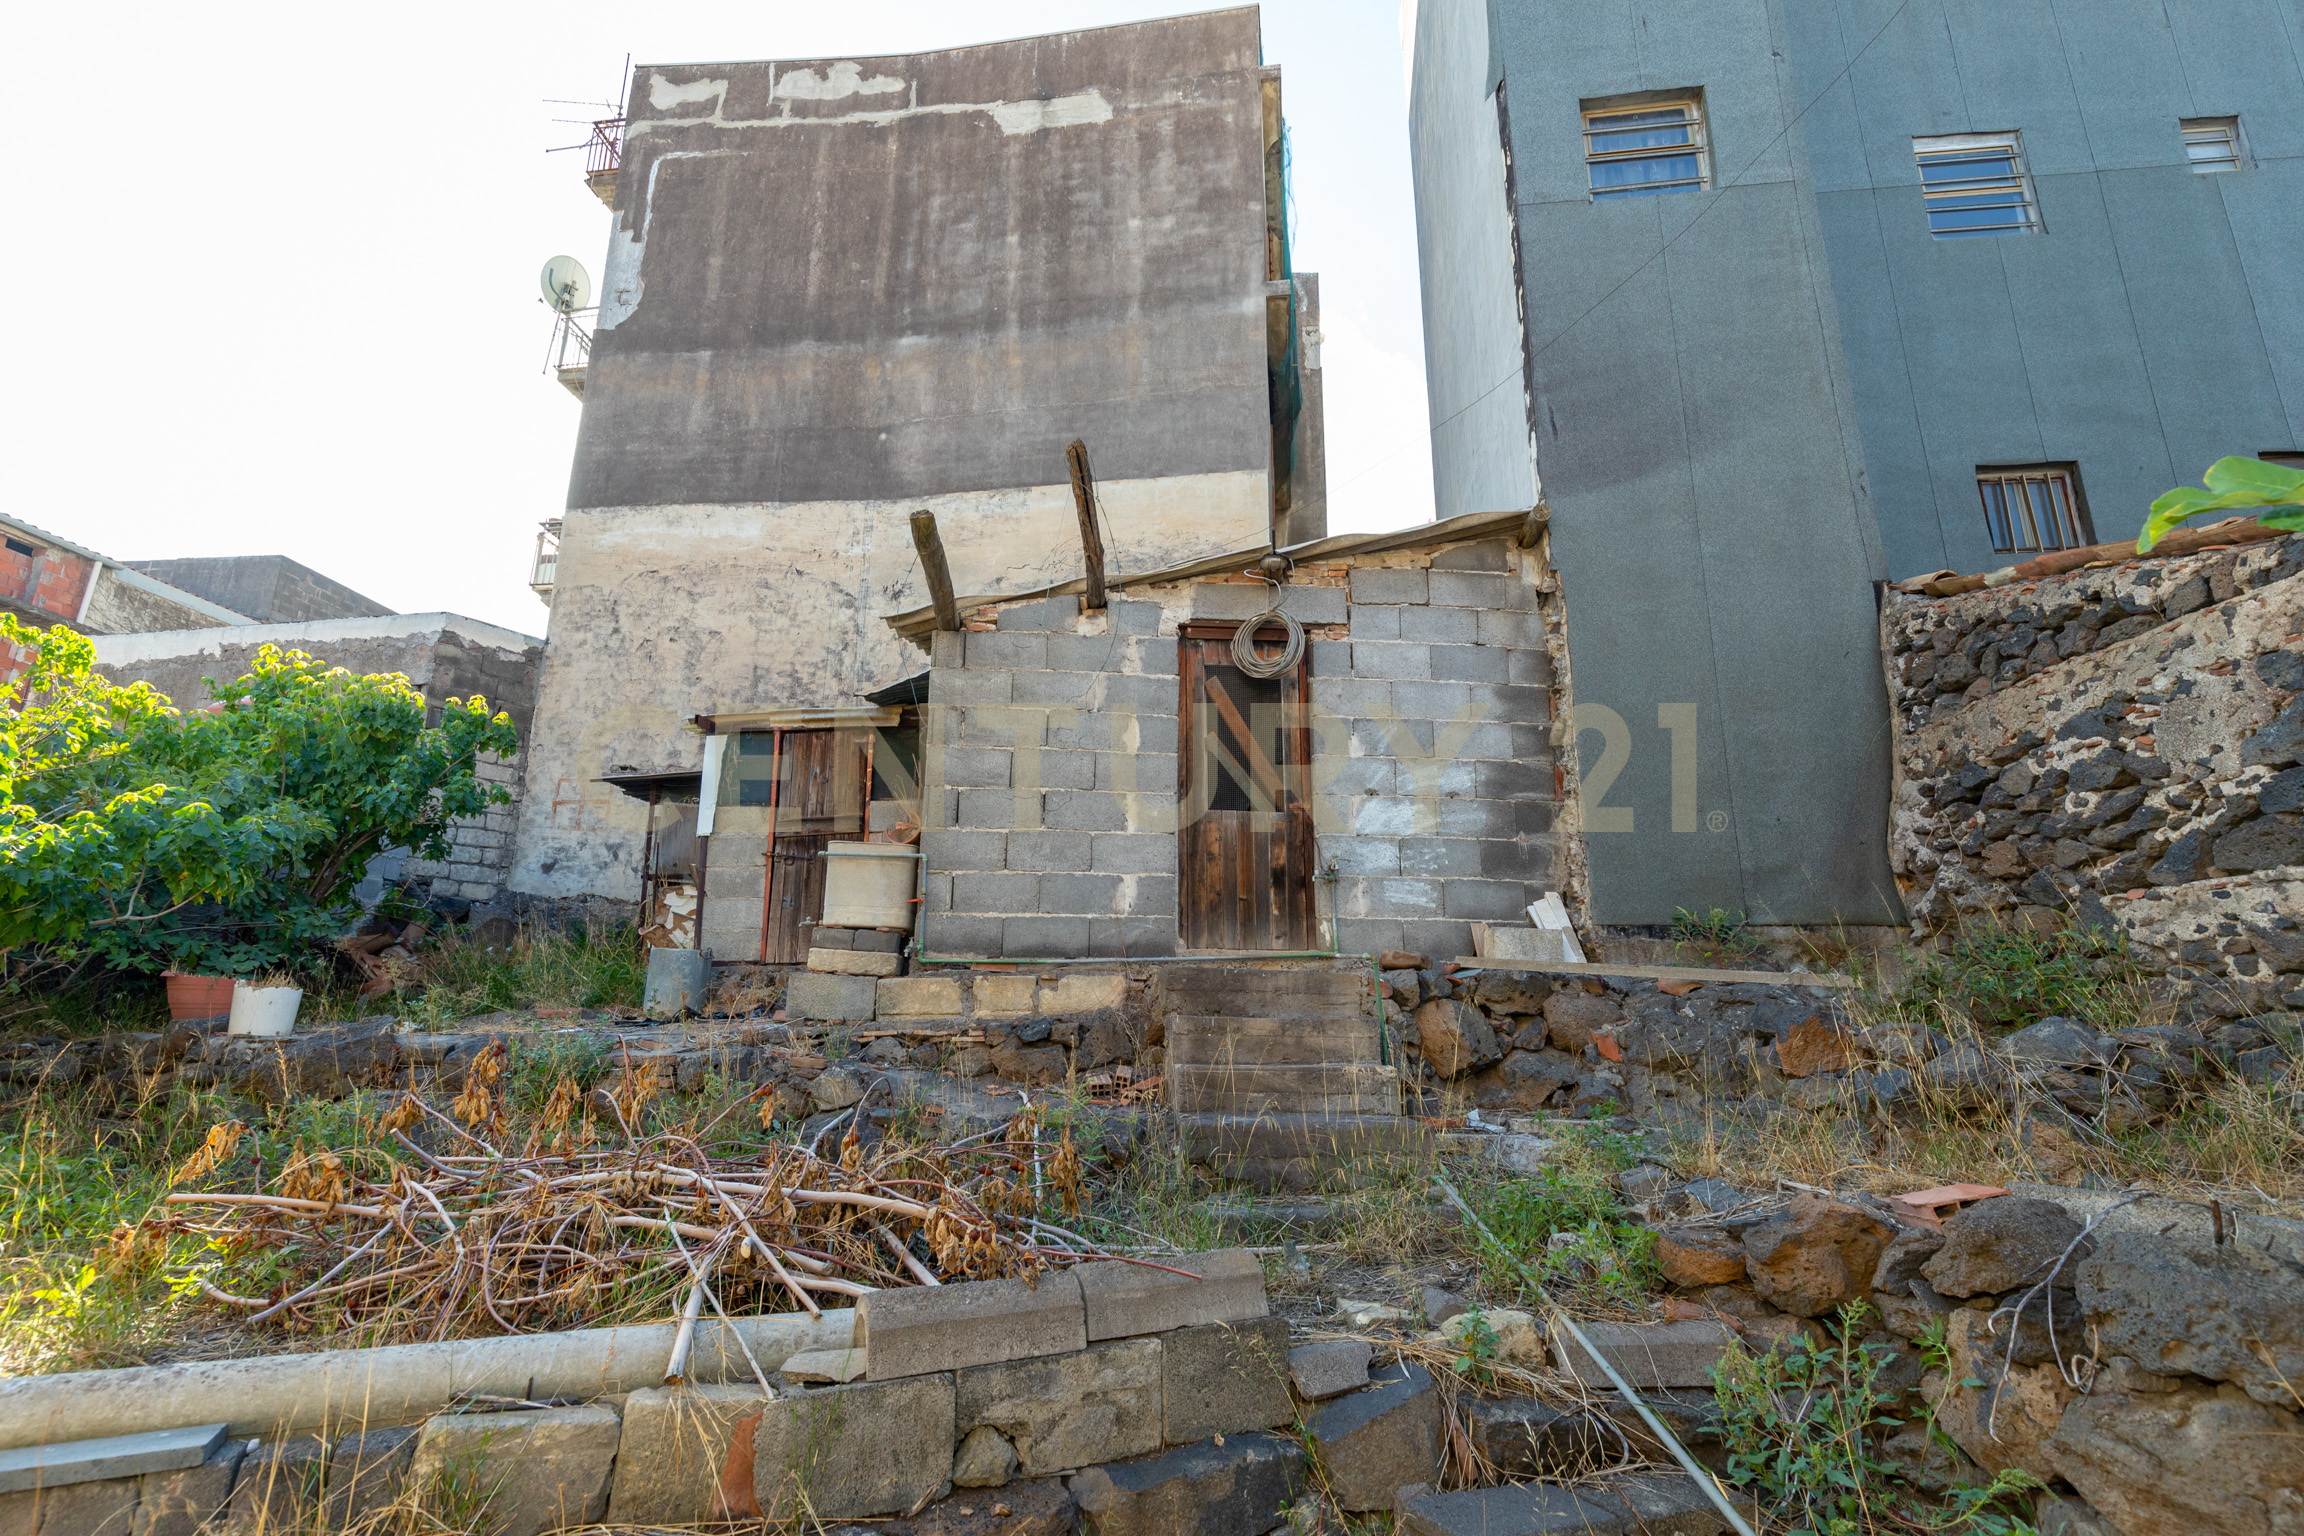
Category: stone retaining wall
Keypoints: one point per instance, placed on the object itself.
(2124, 746)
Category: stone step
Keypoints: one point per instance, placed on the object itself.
(1334, 1137)
(1227, 1089)
(1212, 1040)
(1243, 992)
(1629, 1506)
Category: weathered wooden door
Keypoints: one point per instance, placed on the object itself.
(819, 787)
(1244, 841)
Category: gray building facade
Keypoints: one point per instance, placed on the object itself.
(1794, 288)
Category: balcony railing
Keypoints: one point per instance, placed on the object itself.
(543, 574)
(603, 153)
(570, 351)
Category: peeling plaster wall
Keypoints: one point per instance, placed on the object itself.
(839, 291)
(661, 613)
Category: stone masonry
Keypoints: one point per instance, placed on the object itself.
(1049, 772)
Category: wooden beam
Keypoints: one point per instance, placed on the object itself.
(938, 570)
(1091, 541)
(1533, 528)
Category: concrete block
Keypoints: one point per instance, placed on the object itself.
(962, 934)
(1443, 626)
(1084, 992)
(1431, 700)
(846, 1453)
(821, 937)
(674, 1449)
(1043, 851)
(1378, 1441)
(1678, 1354)
(1134, 853)
(1487, 555)
(533, 1472)
(990, 650)
(951, 848)
(828, 1367)
(901, 997)
(1003, 997)
(1136, 618)
(1002, 892)
(1083, 810)
(1149, 896)
(997, 810)
(106, 1507)
(876, 940)
(921, 1329)
(1049, 613)
(1325, 1370)
(1222, 1378)
(854, 962)
(1330, 659)
(1470, 663)
(1497, 901)
(181, 1503)
(1127, 1300)
(1465, 589)
(1243, 600)
(1200, 1490)
(87, 1461)
(1652, 1504)
(1086, 895)
(1386, 586)
(1043, 938)
(830, 999)
(1371, 621)
(1391, 659)
(1067, 1411)
(1517, 628)
(367, 1471)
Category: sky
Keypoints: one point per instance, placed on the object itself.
(277, 293)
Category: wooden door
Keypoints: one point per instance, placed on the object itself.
(1244, 844)
(818, 783)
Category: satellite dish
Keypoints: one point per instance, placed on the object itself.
(567, 287)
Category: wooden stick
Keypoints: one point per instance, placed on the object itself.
(937, 569)
(920, 1271)
(1091, 539)
(676, 1366)
(281, 1203)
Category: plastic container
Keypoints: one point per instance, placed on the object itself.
(197, 997)
(870, 885)
(267, 1011)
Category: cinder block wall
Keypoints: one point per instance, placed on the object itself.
(1049, 767)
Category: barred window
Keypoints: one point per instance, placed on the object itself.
(2033, 509)
(1644, 150)
(2212, 144)
(1975, 184)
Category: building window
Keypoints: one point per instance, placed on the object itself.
(2284, 458)
(1637, 151)
(2213, 144)
(19, 547)
(1974, 184)
(2033, 509)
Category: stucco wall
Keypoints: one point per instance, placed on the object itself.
(1700, 457)
(2157, 322)
(271, 589)
(118, 608)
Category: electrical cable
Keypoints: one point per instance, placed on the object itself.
(1256, 664)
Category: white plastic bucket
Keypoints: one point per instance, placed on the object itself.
(264, 1010)
(870, 885)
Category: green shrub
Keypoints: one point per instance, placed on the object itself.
(2010, 977)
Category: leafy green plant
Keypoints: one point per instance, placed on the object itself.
(1801, 1426)
(216, 840)
(2013, 977)
(2231, 484)
(1479, 1348)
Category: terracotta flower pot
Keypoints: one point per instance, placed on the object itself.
(198, 997)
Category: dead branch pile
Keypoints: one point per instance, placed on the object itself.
(564, 1232)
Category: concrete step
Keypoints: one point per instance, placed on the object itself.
(1227, 1089)
(1627, 1506)
(1336, 1137)
(1211, 1040)
(1243, 992)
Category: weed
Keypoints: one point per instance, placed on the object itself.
(2009, 977)
(1480, 1348)
(1719, 935)
(581, 968)
(1563, 1228)
(1802, 1424)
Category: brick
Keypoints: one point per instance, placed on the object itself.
(1067, 1411)
(1388, 586)
(1128, 1300)
(1044, 851)
(1198, 1490)
(832, 999)
(1678, 1354)
(847, 1453)
(917, 1330)
(544, 1470)
(1085, 992)
(1222, 1378)
(917, 997)
(87, 1461)
(1371, 622)
(1128, 853)
(183, 1503)
(674, 1449)
(1007, 891)
(1375, 1442)
(1399, 659)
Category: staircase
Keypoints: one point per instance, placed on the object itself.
(1278, 1077)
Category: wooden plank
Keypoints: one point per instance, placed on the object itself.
(1202, 1040)
(1280, 1090)
(937, 569)
(1091, 538)
(1658, 972)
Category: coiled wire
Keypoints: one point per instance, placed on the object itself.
(1244, 653)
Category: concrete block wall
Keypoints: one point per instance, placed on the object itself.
(1049, 767)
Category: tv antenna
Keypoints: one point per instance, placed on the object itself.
(567, 286)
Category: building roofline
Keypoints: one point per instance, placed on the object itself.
(917, 622)
(127, 574)
(149, 645)
(990, 42)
